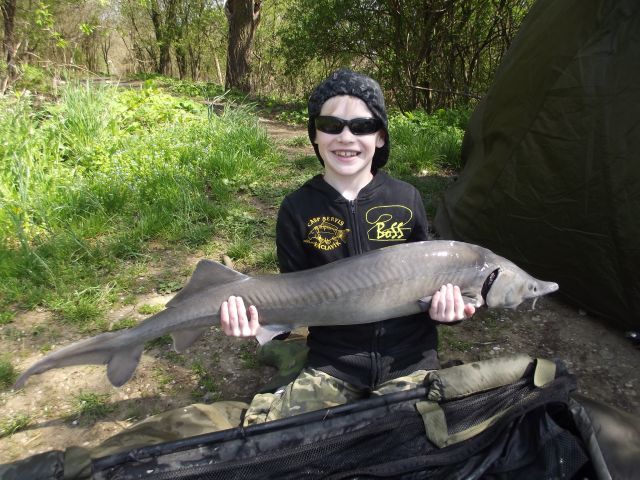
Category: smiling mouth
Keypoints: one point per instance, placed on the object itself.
(345, 154)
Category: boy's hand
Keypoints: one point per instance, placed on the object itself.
(447, 305)
(234, 321)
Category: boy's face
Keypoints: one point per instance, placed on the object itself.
(346, 154)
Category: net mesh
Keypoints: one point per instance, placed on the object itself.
(389, 441)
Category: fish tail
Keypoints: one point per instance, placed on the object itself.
(109, 348)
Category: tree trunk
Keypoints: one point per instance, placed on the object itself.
(243, 17)
(164, 28)
(9, 45)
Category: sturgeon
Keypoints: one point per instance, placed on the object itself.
(381, 284)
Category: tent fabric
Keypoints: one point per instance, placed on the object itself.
(551, 156)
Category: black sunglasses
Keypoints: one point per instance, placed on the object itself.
(358, 126)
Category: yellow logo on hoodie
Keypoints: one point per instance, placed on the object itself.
(389, 223)
(326, 233)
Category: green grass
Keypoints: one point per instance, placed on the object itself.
(424, 144)
(6, 318)
(299, 141)
(449, 339)
(14, 424)
(90, 406)
(123, 323)
(206, 383)
(8, 373)
(160, 342)
(86, 183)
(147, 309)
(248, 356)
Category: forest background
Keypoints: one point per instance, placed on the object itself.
(426, 53)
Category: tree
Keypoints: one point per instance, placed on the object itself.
(429, 53)
(9, 46)
(243, 17)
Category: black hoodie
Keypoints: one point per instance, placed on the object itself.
(316, 225)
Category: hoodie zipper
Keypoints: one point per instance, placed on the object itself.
(353, 210)
(375, 341)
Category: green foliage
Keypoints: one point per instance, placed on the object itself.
(123, 323)
(92, 406)
(268, 260)
(8, 373)
(206, 383)
(423, 143)
(168, 286)
(248, 356)
(6, 318)
(33, 78)
(14, 424)
(85, 183)
(240, 250)
(294, 117)
(84, 309)
(301, 141)
(426, 53)
(449, 340)
(147, 309)
(159, 342)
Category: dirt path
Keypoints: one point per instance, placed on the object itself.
(218, 367)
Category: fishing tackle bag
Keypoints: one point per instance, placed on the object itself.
(498, 419)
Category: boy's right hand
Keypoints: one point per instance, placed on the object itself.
(234, 321)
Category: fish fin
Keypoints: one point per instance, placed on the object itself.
(425, 303)
(183, 339)
(93, 351)
(206, 274)
(122, 365)
(266, 333)
(472, 300)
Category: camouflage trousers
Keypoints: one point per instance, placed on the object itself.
(316, 390)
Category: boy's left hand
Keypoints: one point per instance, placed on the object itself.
(447, 305)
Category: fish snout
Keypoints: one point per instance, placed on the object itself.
(538, 288)
(548, 287)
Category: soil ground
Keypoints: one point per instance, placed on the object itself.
(218, 367)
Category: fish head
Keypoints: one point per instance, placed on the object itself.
(511, 286)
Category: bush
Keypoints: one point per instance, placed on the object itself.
(422, 142)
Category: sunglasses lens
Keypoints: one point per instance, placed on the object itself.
(330, 125)
(364, 126)
(358, 126)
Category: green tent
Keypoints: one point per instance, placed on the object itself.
(551, 176)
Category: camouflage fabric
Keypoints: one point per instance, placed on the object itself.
(286, 356)
(174, 424)
(315, 390)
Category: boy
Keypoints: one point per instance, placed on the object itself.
(353, 207)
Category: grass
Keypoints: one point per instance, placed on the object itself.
(299, 141)
(206, 383)
(86, 183)
(448, 339)
(8, 373)
(6, 318)
(123, 323)
(147, 309)
(248, 356)
(159, 342)
(14, 424)
(91, 406)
